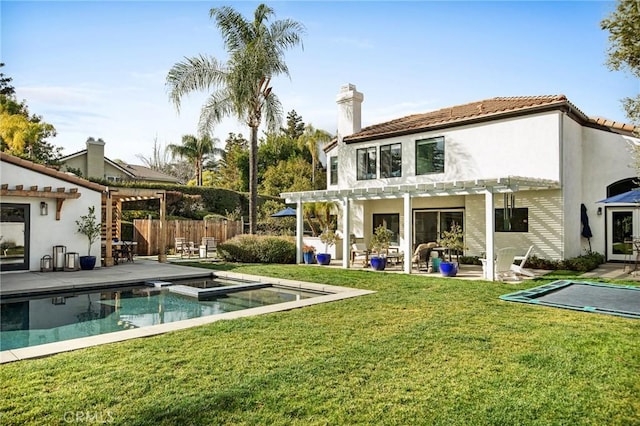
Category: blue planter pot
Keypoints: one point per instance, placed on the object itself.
(323, 258)
(309, 258)
(379, 263)
(87, 263)
(448, 269)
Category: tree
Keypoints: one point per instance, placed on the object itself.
(311, 140)
(295, 125)
(243, 83)
(23, 134)
(290, 175)
(5, 87)
(195, 150)
(624, 50)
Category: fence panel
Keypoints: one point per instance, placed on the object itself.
(147, 232)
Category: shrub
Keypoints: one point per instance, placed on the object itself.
(583, 263)
(469, 260)
(258, 249)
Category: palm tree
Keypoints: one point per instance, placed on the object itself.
(195, 150)
(311, 138)
(243, 83)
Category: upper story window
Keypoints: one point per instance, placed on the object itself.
(430, 156)
(391, 160)
(366, 158)
(333, 170)
(114, 178)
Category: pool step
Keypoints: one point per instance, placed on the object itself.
(205, 293)
(158, 283)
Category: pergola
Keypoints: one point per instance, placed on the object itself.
(486, 187)
(119, 195)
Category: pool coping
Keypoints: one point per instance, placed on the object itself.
(336, 293)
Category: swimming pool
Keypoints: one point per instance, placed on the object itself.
(54, 317)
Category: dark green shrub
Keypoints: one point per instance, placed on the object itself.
(258, 249)
(584, 263)
(469, 260)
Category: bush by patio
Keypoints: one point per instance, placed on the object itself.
(258, 249)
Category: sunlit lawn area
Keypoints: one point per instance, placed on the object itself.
(419, 351)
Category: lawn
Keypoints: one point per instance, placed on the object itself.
(419, 351)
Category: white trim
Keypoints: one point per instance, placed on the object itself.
(447, 188)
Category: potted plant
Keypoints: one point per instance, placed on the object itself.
(328, 237)
(452, 241)
(308, 253)
(379, 243)
(89, 226)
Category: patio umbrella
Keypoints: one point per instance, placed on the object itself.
(632, 196)
(288, 212)
(586, 229)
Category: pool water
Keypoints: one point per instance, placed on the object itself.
(44, 319)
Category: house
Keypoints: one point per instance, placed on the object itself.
(92, 163)
(39, 209)
(511, 171)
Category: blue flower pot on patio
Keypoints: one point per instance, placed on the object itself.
(378, 263)
(309, 258)
(87, 263)
(448, 269)
(323, 258)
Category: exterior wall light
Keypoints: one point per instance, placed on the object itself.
(44, 208)
(599, 211)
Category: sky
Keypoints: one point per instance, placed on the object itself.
(98, 68)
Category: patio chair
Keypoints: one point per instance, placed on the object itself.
(210, 246)
(422, 254)
(518, 268)
(185, 247)
(359, 252)
(503, 263)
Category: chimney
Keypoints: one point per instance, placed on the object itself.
(349, 102)
(95, 158)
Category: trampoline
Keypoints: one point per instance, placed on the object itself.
(601, 298)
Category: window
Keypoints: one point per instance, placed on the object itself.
(333, 166)
(391, 160)
(430, 156)
(366, 163)
(516, 220)
(389, 221)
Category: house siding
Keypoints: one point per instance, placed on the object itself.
(42, 239)
(523, 146)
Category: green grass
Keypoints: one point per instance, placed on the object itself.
(419, 351)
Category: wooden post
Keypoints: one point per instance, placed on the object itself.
(162, 256)
(108, 208)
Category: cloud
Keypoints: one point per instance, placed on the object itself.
(60, 95)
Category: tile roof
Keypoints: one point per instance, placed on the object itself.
(146, 173)
(71, 178)
(476, 111)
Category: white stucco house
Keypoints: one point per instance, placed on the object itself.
(512, 171)
(39, 208)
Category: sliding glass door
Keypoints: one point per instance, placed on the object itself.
(428, 225)
(14, 236)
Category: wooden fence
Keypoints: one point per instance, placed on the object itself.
(147, 232)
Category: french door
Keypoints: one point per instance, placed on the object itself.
(14, 236)
(623, 225)
(428, 225)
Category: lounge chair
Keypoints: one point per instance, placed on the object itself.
(422, 254)
(518, 268)
(359, 252)
(503, 263)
